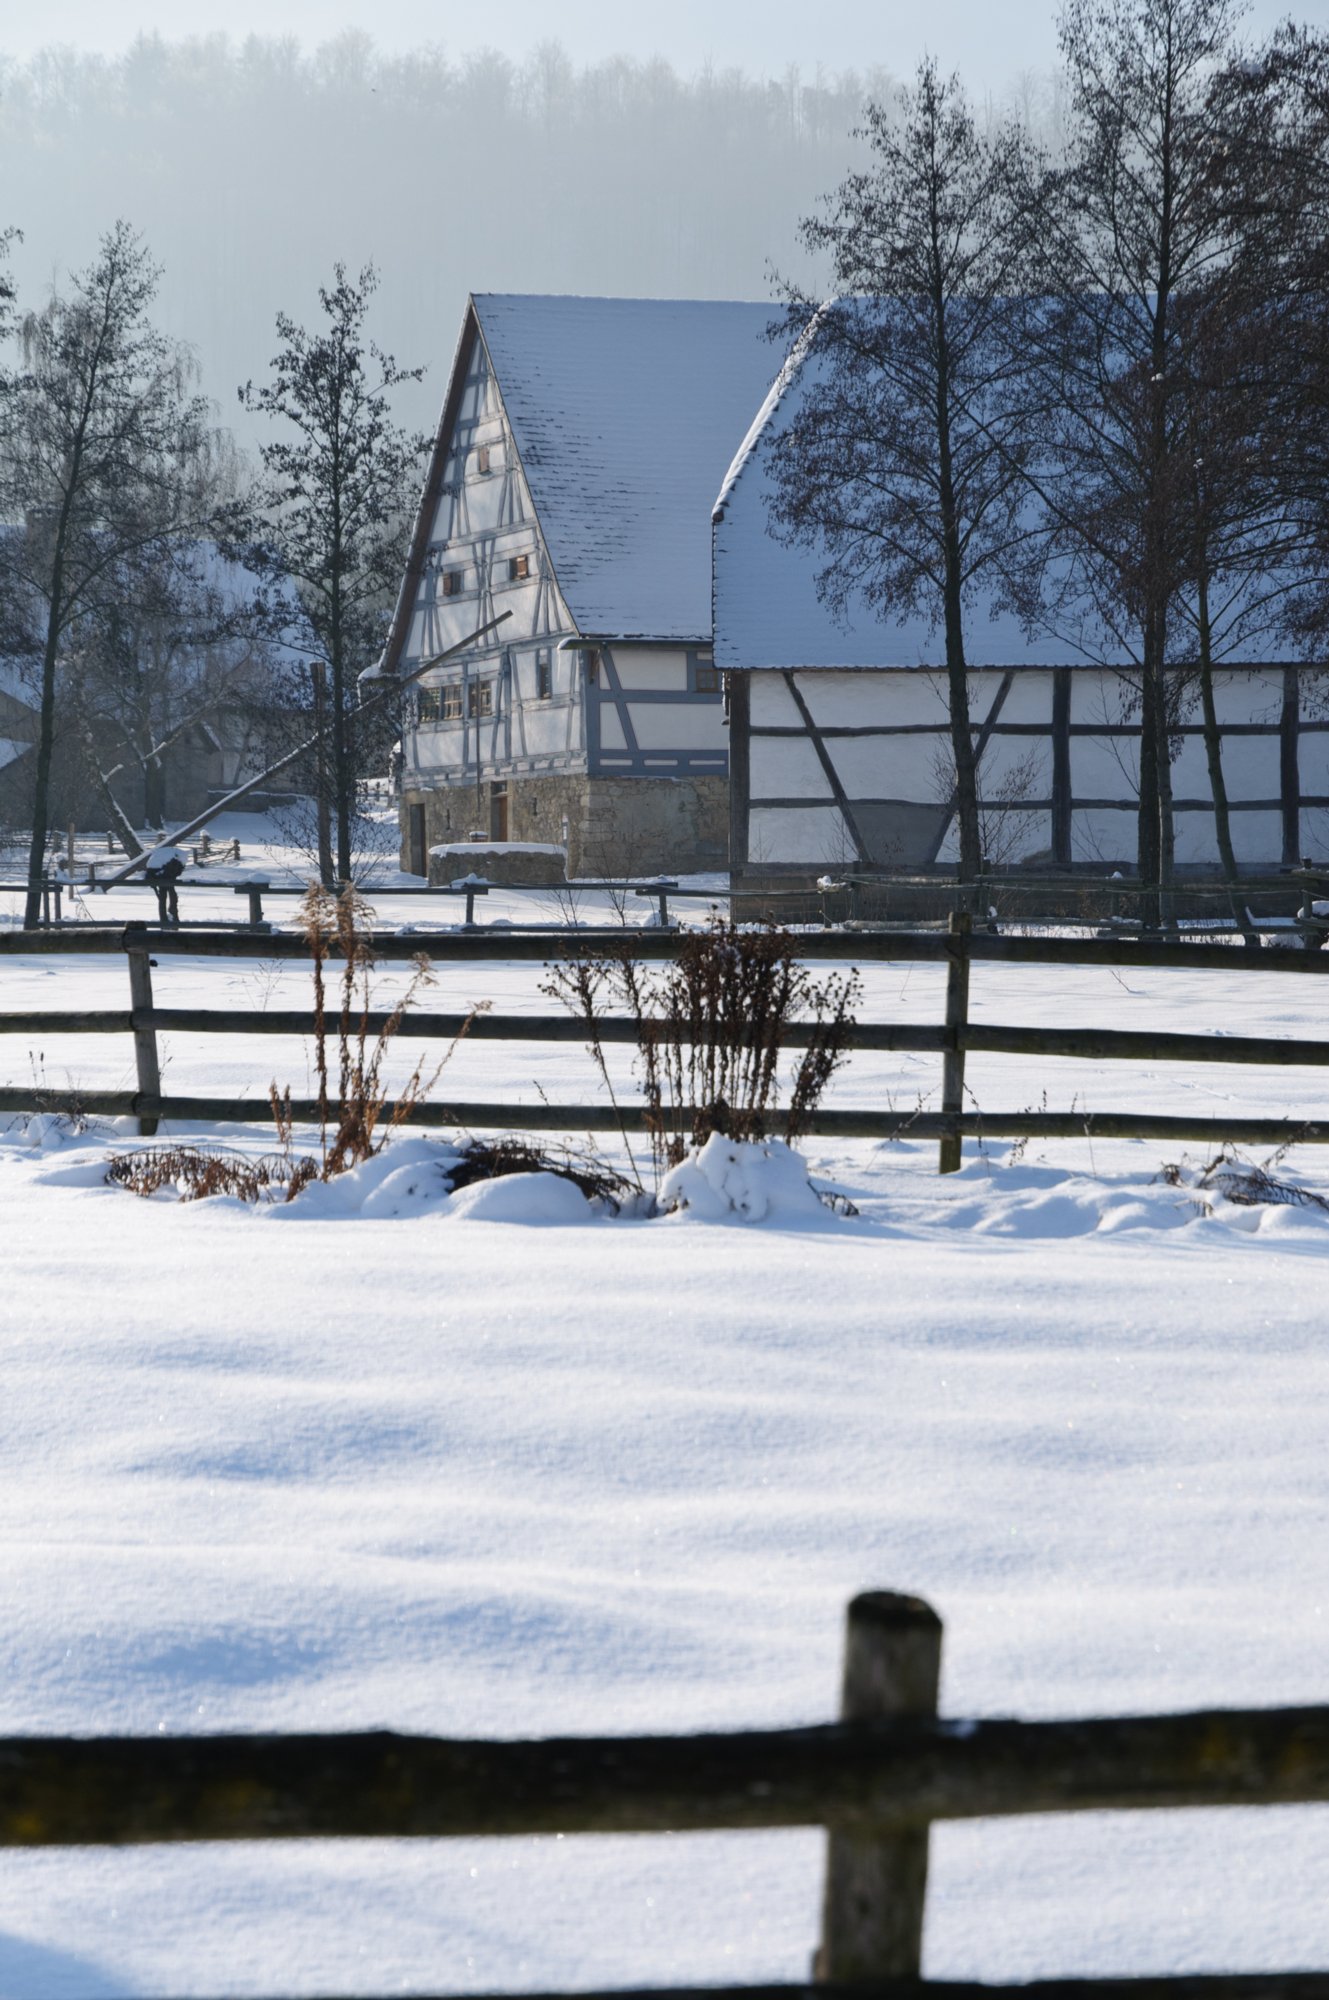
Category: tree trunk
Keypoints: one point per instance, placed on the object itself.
(1147, 854)
(318, 673)
(957, 676)
(1213, 751)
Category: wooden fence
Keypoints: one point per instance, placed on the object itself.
(876, 1780)
(959, 949)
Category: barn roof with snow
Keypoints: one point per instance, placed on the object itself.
(768, 613)
(624, 414)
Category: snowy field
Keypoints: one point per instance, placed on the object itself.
(435, 1471)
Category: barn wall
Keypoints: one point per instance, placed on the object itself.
(845, 769)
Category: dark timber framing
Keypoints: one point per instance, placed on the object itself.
(1056, 713)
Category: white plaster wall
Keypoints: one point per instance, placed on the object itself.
(1247, 697)
(814, 835)
(1027, 759)
(1104, 767)
(1313, 763)
(611, 729)
(1029, 699)
(857, 700)
(787, 767)
(651, 667)
(1098, 696)
(881, 767)
(771, 706)
(1251, 768)
(691, 725)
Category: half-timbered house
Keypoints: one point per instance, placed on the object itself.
(577, 458)
(839, 738)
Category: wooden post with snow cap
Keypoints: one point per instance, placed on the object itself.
(872, 1915)
(957, 1020)
(146, 1065)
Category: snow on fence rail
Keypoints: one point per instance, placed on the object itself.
(958, 948)
(876, 1781)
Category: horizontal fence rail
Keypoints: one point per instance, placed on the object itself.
(956, 1038)
(1096, 1044)
(652, 945)
(876, 1781)
(863, 1776)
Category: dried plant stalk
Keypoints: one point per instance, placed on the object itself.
(711, 1030)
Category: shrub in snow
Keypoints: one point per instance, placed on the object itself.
(754, 1179)
(711, 1031)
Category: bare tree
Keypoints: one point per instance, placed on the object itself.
(1133, 233)
(186, 644)
(104, 457)
(902, 463)
(332, 512)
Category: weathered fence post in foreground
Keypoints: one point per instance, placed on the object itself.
(872, 1915)
(145, 1035)
(957, 1018)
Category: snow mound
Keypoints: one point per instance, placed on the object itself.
(529, 1198)
(755, 1180)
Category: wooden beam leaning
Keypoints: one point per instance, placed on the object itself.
(872, 1911)
(863, 1777)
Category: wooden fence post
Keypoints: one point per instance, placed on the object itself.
(145, 1035)
(872, 1916)
(957, 1018)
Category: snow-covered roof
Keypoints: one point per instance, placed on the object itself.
(20, 680)
(767, 611)
(624, 413)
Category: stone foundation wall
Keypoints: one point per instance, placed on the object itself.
(614, 827)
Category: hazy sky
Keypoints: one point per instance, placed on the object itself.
(990, 40)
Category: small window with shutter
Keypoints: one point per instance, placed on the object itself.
(518, 567)
(544, 677)
(453, 580)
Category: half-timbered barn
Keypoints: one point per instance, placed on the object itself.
(839, 739)
(580, 448)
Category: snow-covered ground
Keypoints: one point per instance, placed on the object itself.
(434, 1470)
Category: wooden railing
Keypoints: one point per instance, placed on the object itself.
(876, 1780)
(956, 1038)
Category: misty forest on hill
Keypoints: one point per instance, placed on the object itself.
(251, 168)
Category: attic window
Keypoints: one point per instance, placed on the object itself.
(482, 458)
(480, 699)
(706, 677)
(452, 582)
(518, 567)
(544, 677)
